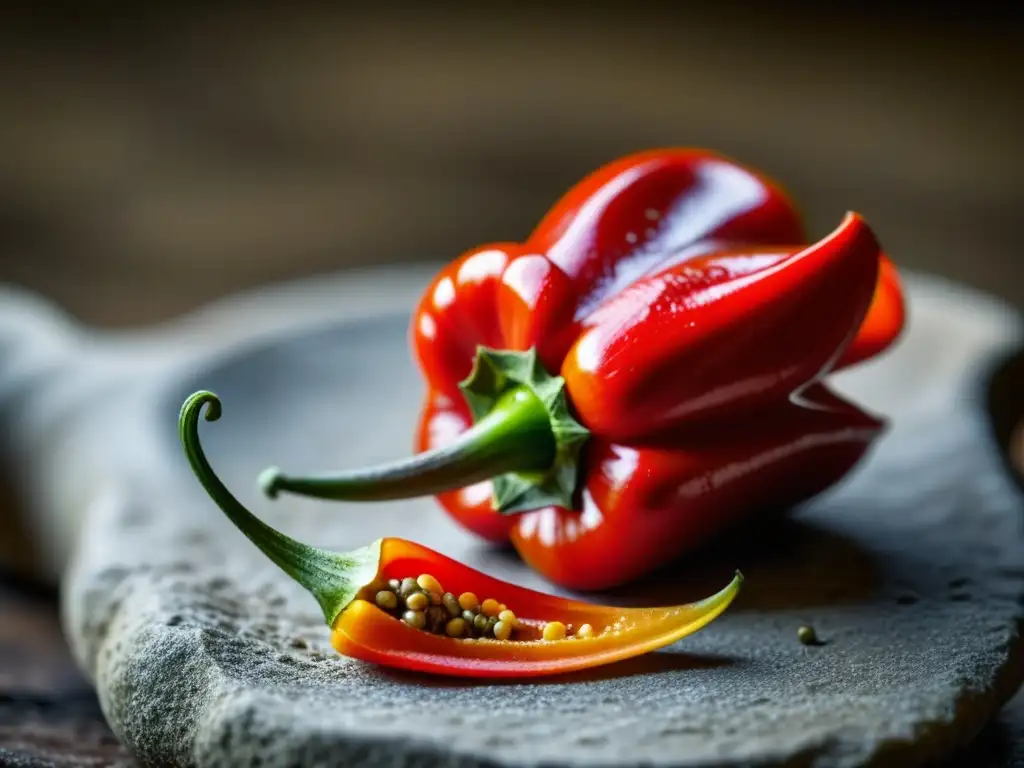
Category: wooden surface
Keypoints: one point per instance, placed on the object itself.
(49, 715)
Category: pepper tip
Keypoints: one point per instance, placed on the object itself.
(270, 482)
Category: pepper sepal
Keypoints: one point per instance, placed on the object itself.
(497, 372)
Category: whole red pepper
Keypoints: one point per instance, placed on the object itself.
(644, 371)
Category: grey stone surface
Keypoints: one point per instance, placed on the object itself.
(203, 654)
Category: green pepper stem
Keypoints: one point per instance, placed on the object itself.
(333, 578)
(515, 436)
(524, 439)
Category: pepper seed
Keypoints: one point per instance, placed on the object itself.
(508, 617)
(451, 604)
(437, 618)
(807, 635)
(417, 601)
(554, 630)
(585, 631)
(456, 627)
(502, 631)
(394, 585)
(429, 584)
(490, 607)
(469, 616)
(409, 586)
(480, 622)
(416, 619)
(468, 601)
(387, 600)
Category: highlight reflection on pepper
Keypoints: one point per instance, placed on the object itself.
(643, 372)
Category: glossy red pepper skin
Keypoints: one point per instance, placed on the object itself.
(676, 293)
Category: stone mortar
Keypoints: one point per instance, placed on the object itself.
(912, 571)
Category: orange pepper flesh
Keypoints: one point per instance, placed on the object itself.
(363, 631)
(884, 321)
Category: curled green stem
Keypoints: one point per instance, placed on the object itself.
(333, 578)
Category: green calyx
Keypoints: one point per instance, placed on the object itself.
(495, 374)
(524, 440)
(333, 578)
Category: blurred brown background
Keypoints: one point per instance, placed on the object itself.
(154, 161)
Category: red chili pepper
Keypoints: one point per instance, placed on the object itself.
(644, 371)
(362, 594)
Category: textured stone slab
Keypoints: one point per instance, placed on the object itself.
(912, 571)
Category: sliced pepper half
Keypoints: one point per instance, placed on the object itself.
(348, 586)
